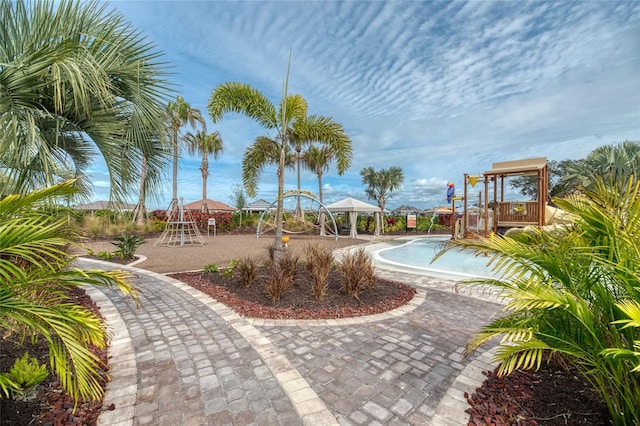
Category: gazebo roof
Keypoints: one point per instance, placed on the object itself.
(352, 205)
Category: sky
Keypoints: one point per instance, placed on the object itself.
(437, 88)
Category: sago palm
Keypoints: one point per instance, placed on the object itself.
(77, 81)
(571, 291)
(35, 269)
(205, 144)
(291, 113)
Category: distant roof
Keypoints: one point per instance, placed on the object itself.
(257, 206)
(105, 205)
(405, 208)
(212, 205)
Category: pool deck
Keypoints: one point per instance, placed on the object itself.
(182, 358)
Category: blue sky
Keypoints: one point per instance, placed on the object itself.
(437, 88)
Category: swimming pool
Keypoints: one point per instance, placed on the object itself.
(417, 255)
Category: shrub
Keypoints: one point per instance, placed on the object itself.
(230, 269)
(248, 270)
(357, 272)
(211, 267)
(25, 373)
(319, 264)
(127, 245)
(281, 276)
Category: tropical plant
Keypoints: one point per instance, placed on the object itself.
(239, 200)
(317, 160)
(77, 81)
(178, 114)
(206, 144)
(574, 291)
(127, 245)
(289, 118)
(248, 271)
(623, 159)
(36, 269)
(380, 184)
(25, 373)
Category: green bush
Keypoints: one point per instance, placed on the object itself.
(211, 267)
(25, 373)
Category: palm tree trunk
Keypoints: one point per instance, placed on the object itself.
(277, 252)
(175, 168)
(141, 213)
(320, 186)
(204, 168)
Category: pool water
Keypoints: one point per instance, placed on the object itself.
(417, 254)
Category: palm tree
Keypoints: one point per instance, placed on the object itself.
(291, 111)
(623, 158)
(317, 160)
(77, 81)
(179, 113)
(381, 184)
(205, 144)
(574, 292)
(36, 269)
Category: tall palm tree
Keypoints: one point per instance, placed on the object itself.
(77, 81)
(291, 111)
(179, 113)
(317, 160)
(381, 184)
(36, 270)
(206, 144)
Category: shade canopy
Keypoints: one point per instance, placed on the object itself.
(353, 207)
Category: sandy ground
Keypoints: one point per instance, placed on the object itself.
(221, 249)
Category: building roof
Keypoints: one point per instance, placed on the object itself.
(212, 205)
(256, 206)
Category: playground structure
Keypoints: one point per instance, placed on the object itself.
(302, 214)
(503, 214)
(180, 229)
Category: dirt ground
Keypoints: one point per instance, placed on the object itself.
(218, 250)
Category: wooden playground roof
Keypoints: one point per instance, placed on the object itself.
(529, 166)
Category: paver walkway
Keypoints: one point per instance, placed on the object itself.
(181, 358)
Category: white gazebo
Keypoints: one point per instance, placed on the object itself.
(352, 207)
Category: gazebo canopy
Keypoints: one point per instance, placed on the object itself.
(353, 207)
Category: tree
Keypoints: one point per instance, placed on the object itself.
(558, 185)
(206, 144)
(36, 270)
(291, 111)
(317, 160)
(381, 184)
(76, 82)
(239, 199)
(623, 158)
(574, 291)
(178, 114)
